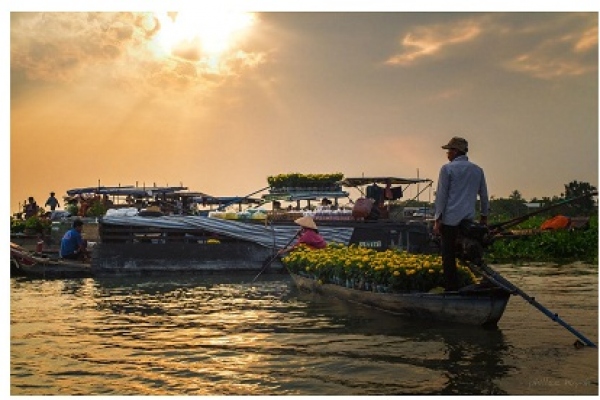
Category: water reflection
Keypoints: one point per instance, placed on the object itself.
(210, 335)
(464, 359)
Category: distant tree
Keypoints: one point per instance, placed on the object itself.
(504, 209)
(584, 206)
(515, 195)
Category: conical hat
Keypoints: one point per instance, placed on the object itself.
(306, 222)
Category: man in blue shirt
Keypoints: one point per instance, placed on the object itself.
(72, 245)
(459, 184)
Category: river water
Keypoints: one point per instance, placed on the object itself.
(223, 335)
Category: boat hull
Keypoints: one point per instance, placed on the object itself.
(169, 258)
(46, 268)
(167, 244)
(482, 307)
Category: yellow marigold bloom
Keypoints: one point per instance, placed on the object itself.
(396, 273)
(431, 271)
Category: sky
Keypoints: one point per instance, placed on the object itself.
(218, 100)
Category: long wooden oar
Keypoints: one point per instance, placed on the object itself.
(503, 283)
(268, 263)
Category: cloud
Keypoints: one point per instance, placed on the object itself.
(587, 41)
(542, 45)
(429, 41)
(58, 46)
(564, 53)
(119, 49)
(544, 66)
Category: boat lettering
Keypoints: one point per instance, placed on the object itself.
(372, 244)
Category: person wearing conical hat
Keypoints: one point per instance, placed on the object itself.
(309, 235)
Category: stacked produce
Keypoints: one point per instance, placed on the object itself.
(367, 269)
(296, 181)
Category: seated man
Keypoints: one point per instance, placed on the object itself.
(72, 245)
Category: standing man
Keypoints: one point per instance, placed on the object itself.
(72, 245)
(52, 202)
(31, 208)
(459, 184)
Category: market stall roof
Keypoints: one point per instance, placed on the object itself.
(361, 181)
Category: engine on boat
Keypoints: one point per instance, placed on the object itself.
(473, 239)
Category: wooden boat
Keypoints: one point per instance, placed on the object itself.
(26, 263)
(471, 305)
(221, 239)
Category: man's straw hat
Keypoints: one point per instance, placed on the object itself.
(306, 222)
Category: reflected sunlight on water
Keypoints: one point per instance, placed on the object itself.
(221, 335)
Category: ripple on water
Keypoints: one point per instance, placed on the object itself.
(209, 336)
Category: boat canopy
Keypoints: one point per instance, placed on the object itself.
(125, 190)
(226, 200)
(304, 195)
(362, 181)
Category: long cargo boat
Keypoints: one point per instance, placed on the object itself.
(145, 237)
(242, 240)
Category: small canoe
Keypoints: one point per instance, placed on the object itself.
(26, 263)
(471, 306)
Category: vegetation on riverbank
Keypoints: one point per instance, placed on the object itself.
(560, 245)
(575, 244)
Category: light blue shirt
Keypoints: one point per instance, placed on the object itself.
(459, 184)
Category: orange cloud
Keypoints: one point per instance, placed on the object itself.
(428, 41)
(560, 55)
(547, 67)
(587, 41)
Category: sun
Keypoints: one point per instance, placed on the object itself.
(200, 35)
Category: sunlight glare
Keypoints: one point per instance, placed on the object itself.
(207, 34)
